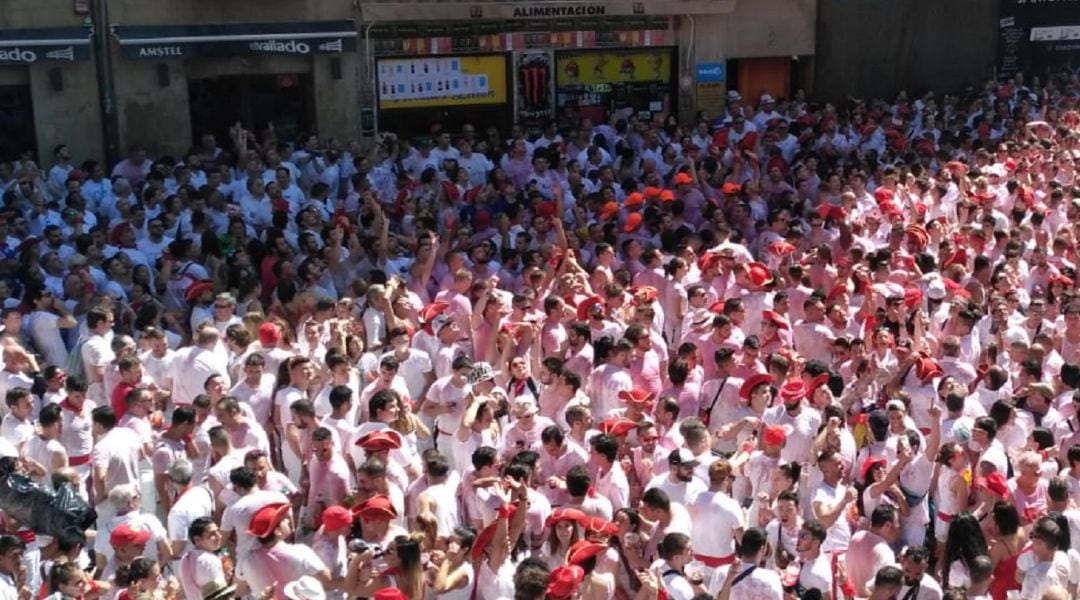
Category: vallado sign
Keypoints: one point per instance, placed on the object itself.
(26, 56)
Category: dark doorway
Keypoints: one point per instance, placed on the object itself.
(255, 100)
(17, 123)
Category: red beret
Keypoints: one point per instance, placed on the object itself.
(636, 395)
(380, 440)
(585, 306)
(564, 581)
(565, 514)
(793, 390)
(198, 289)
(376, 508)
(267, 519)
(774, 435)
(752, 382)
(617, 426)
(583, 550)
(771, 316)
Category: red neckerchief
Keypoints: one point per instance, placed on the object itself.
(67, 405)
(391, 572)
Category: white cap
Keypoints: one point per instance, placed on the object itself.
(936, 290)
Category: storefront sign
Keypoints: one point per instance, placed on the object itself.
(178, 41)
(591, 68)
(442, 81)
(710, 73)
(547, 11)
(29, 46)
(381, 11)
(709, 97)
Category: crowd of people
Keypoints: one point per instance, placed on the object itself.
(793, 350)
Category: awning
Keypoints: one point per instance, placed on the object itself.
(27, 46)
(285, 39)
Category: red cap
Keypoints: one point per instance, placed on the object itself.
(683, 179)
(793, 390)
(128, 534)
(752, 382)
(652, 192)
(608, 210)
(883, 194)
(336, 518)
(707, 260)
(585, 306)
(617, 426)
(636, 395)
(600, 525)
(583, 550)
(869, 464)
(774, 317)
(759, 274)
(781, 248)
(198, 289)
(377, 441)
(563, 582)
(1061, 279)
(995, 484)
(565, 514)
(730, 189)
(376, 508)
(912, 297)
(774, 435)
(267, 519)
(433, 310)
(269, 334)
(634, 199)
(633, 221)
(667, 195)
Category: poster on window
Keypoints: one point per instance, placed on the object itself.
(535, 90)
(441, 81)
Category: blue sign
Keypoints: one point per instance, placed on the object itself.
(710, 72)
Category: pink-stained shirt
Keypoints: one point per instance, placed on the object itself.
(280, 565)
(551, 466)
(645, 372)
(330, 482)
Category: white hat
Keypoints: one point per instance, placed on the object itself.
(305, 588)
(734, 95)
(936, 290)
(767, 98)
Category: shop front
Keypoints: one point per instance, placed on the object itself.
(183, 81)
(627, 66)
(38, 68)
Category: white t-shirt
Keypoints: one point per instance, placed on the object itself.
(197, 569)
(716, 516)
(839, 534)
(118, 452)
(46, 336)
(195, 503)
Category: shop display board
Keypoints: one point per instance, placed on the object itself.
(438, 81)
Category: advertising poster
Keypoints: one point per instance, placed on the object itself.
(535, 90)
(441, 81)
(605, 68)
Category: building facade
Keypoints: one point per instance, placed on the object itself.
(162, 75)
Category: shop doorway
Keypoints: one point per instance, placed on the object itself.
(217, 103)
(17, 123)
(753, 77)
